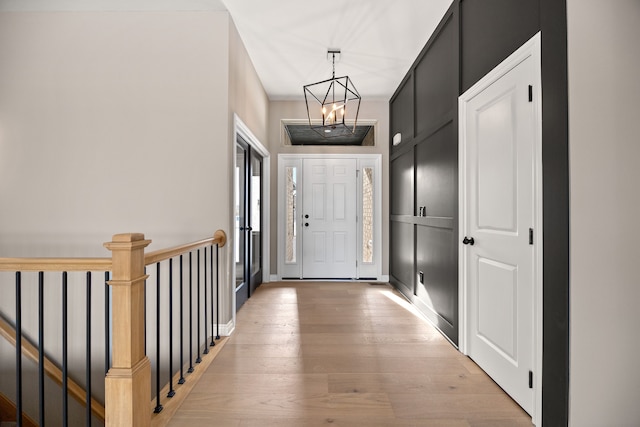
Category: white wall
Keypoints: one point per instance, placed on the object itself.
(109, 123)
(115, 122)
(369, 110)
(247, 97)
(604, 143)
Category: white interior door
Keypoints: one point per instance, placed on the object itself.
(498, 150)
(329, 218)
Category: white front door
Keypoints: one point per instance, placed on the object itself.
(329, 218)
(498, 151)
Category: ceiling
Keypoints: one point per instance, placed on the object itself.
(287, 40)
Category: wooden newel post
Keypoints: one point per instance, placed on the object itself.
(128, 382)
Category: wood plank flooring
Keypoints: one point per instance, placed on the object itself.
(341, 354)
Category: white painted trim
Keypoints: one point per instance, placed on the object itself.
(532, 49)
(538, 234)
(287, 160)
(226, 329)
(282, 221)
(377, 216)
(241, 129)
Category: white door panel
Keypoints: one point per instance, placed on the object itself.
(329, 218)
(498, 288)
(498, 123)
(496, 170)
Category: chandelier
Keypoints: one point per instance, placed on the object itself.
(327, 103)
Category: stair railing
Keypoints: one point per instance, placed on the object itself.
(128, 381)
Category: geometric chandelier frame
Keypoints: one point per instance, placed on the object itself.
(330, 102)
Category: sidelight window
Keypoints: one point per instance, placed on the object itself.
(291, 216)
(367, 214)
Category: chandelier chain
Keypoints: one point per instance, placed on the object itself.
(334, 64)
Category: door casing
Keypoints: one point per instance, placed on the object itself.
(242, 130)
(532, 49)
(368, 271)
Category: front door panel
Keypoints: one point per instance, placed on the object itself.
(329, 218)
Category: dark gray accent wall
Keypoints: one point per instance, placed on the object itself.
(424, 180)
(555, 215)
(473, 37)
(402, 110)
(491, 30)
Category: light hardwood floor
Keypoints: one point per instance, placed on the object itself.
(341, 354)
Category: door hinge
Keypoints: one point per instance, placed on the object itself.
(531, 236)
(530, 379)
(530, 93)
(357, 172)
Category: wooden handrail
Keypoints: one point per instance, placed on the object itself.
(219, 237)
(52, 371)
(55, 264)
(103, 264)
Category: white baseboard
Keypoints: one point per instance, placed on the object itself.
(276, 278)
(226, 329)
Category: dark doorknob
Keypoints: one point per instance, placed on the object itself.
(468, 241)
(306, 224)
(306, 216)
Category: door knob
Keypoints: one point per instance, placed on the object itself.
(306, 216)
(468, 241)
(306, 224)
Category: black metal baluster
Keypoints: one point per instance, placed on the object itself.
(41, 347)
(217, 291)
(19, 348)
(198, 359)
(88, 365)
(171, 390)
(204, 302)
(158, 407)
(65, 385)
(107, 326)
(181, 380)
(212, 341)
(190, 313)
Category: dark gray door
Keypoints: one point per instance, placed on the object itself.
(255, 221)
(248, 215)
(241, 222)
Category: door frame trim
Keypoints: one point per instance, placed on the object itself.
(531, 48)
(242, 130)
(288, 159)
